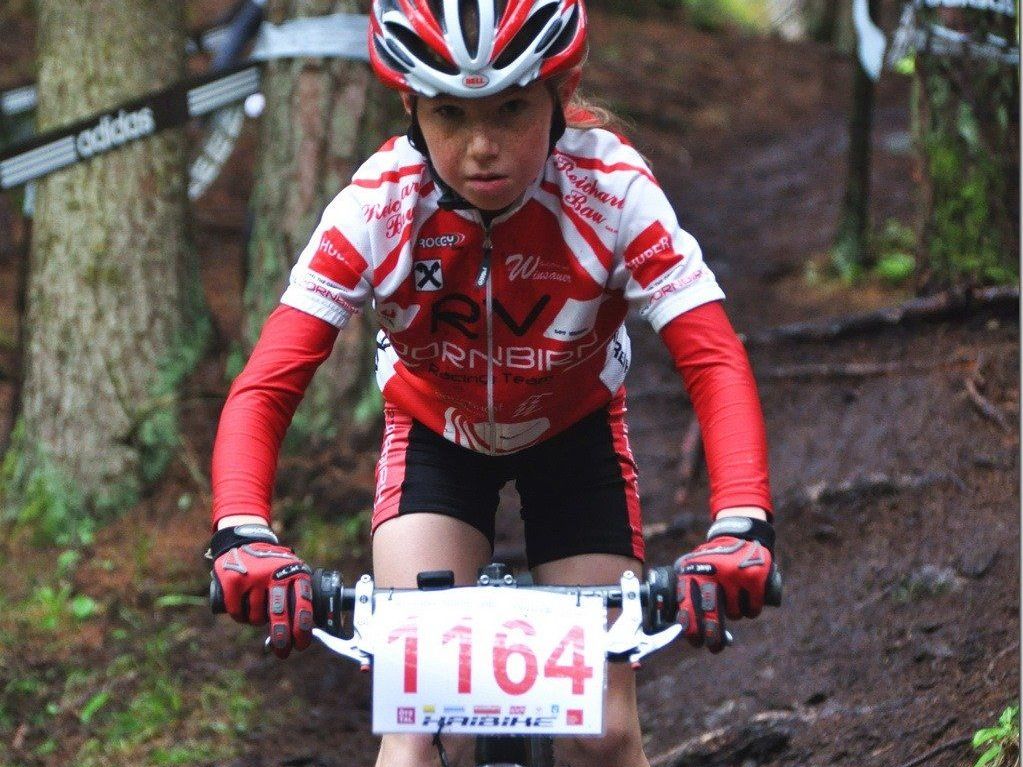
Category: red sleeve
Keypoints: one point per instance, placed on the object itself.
(718, 377)
(259, 409)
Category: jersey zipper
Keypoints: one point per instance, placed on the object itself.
(484, 279)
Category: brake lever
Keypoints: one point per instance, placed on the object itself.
(359, 647)
(626, 636)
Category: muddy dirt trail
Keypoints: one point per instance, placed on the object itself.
(899, 633)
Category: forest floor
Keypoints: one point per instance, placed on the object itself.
(899, 634)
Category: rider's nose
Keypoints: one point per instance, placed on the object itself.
(482, 145)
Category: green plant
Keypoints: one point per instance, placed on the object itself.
(1000, 743)
(895, 247)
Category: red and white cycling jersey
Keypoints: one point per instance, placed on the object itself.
(482, 324)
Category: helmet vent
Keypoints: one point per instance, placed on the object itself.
(419, 49)
(567, 33)
(469, 21)
(392, 58)
(437, 11)
(525, 36)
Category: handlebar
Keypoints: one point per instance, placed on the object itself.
(332, 599)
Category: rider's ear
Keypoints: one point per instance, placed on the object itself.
(567, 86)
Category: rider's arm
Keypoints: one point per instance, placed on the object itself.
(258, 411)
(717, 374)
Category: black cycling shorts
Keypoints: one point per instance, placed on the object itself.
(578, 488)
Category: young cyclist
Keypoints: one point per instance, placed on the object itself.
(500, 249)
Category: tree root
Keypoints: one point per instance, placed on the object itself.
(855, 369)
(759, 738)
(960, 741)
(985, 407)
(859, 487)
(946, 305)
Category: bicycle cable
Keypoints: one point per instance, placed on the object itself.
(440, 747)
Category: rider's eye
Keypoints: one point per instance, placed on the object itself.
(513, 106)
(448, 112)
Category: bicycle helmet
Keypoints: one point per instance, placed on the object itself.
(474, 48)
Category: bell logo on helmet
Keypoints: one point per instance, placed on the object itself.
(475, 81)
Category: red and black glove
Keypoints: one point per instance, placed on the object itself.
(732, 575)
(260, 580)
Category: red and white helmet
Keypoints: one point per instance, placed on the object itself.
(474, 48)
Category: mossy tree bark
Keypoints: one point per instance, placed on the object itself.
(112, 296)
(321, 119)
(966, 119)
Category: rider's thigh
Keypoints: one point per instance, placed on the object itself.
(411, 543)
(622, 744)
(397, 750)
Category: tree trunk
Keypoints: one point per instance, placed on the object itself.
(111, 281)
(851, 252)
(967, 124)
(315, 130)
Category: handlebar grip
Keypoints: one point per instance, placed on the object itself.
(328, 608)
(216, 596)
(662, 600)
(772, 592)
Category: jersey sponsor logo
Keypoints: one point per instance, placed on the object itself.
(392, 211)
(663, 245)
(337, 260)
(585, 184)
(462, 313)
(455, 356)
(534, 268)
(332, 292)
(675, 285)
(111, 132)
(453, 240)
(575, 319)
(428, 275)
(651, 254)
(528, 406)
(395, 317)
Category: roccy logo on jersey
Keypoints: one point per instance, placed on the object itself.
(427, 275)
(441, 241)
(111, 132)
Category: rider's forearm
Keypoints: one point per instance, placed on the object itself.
(716, 371)
(259, 409)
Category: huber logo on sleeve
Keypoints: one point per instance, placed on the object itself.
(338, 260)
(651, 254)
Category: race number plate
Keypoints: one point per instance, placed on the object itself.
(489, 660)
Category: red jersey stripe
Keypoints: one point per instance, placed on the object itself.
(391, 177)
(603, 253)
(391, 261)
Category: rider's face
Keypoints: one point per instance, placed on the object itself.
(489, 149)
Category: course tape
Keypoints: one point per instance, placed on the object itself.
(938, 40)
(340, 35)
(126, 123)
